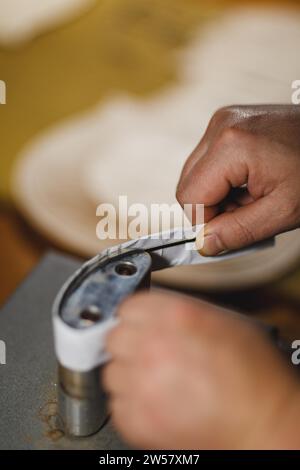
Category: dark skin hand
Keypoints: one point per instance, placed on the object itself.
(189, 375)
(186, 374)
(257, 146)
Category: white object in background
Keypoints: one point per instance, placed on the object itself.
(138, 147)
(248, 57)
(21, 20)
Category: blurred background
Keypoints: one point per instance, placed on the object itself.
(108, 97)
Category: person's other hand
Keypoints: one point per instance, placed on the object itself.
(246, 172)
(186, 374)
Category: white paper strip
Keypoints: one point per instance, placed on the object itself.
(84, 349)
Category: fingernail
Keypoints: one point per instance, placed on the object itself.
(211, 245)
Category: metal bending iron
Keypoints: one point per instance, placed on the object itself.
(86, 309)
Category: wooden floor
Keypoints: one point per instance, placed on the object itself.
(20, 250)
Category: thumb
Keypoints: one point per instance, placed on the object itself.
(241, 227)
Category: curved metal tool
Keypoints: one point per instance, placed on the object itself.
(90, 300)
(85, 309)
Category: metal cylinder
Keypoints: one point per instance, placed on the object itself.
(81, 401)
(89, 300)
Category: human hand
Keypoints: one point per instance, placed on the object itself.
(185, 374)
(256, 146)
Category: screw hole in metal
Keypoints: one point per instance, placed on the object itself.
(90, 315)
(126, 268)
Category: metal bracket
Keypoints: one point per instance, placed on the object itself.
(90, 298)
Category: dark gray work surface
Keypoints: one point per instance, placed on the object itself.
(28, 380)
